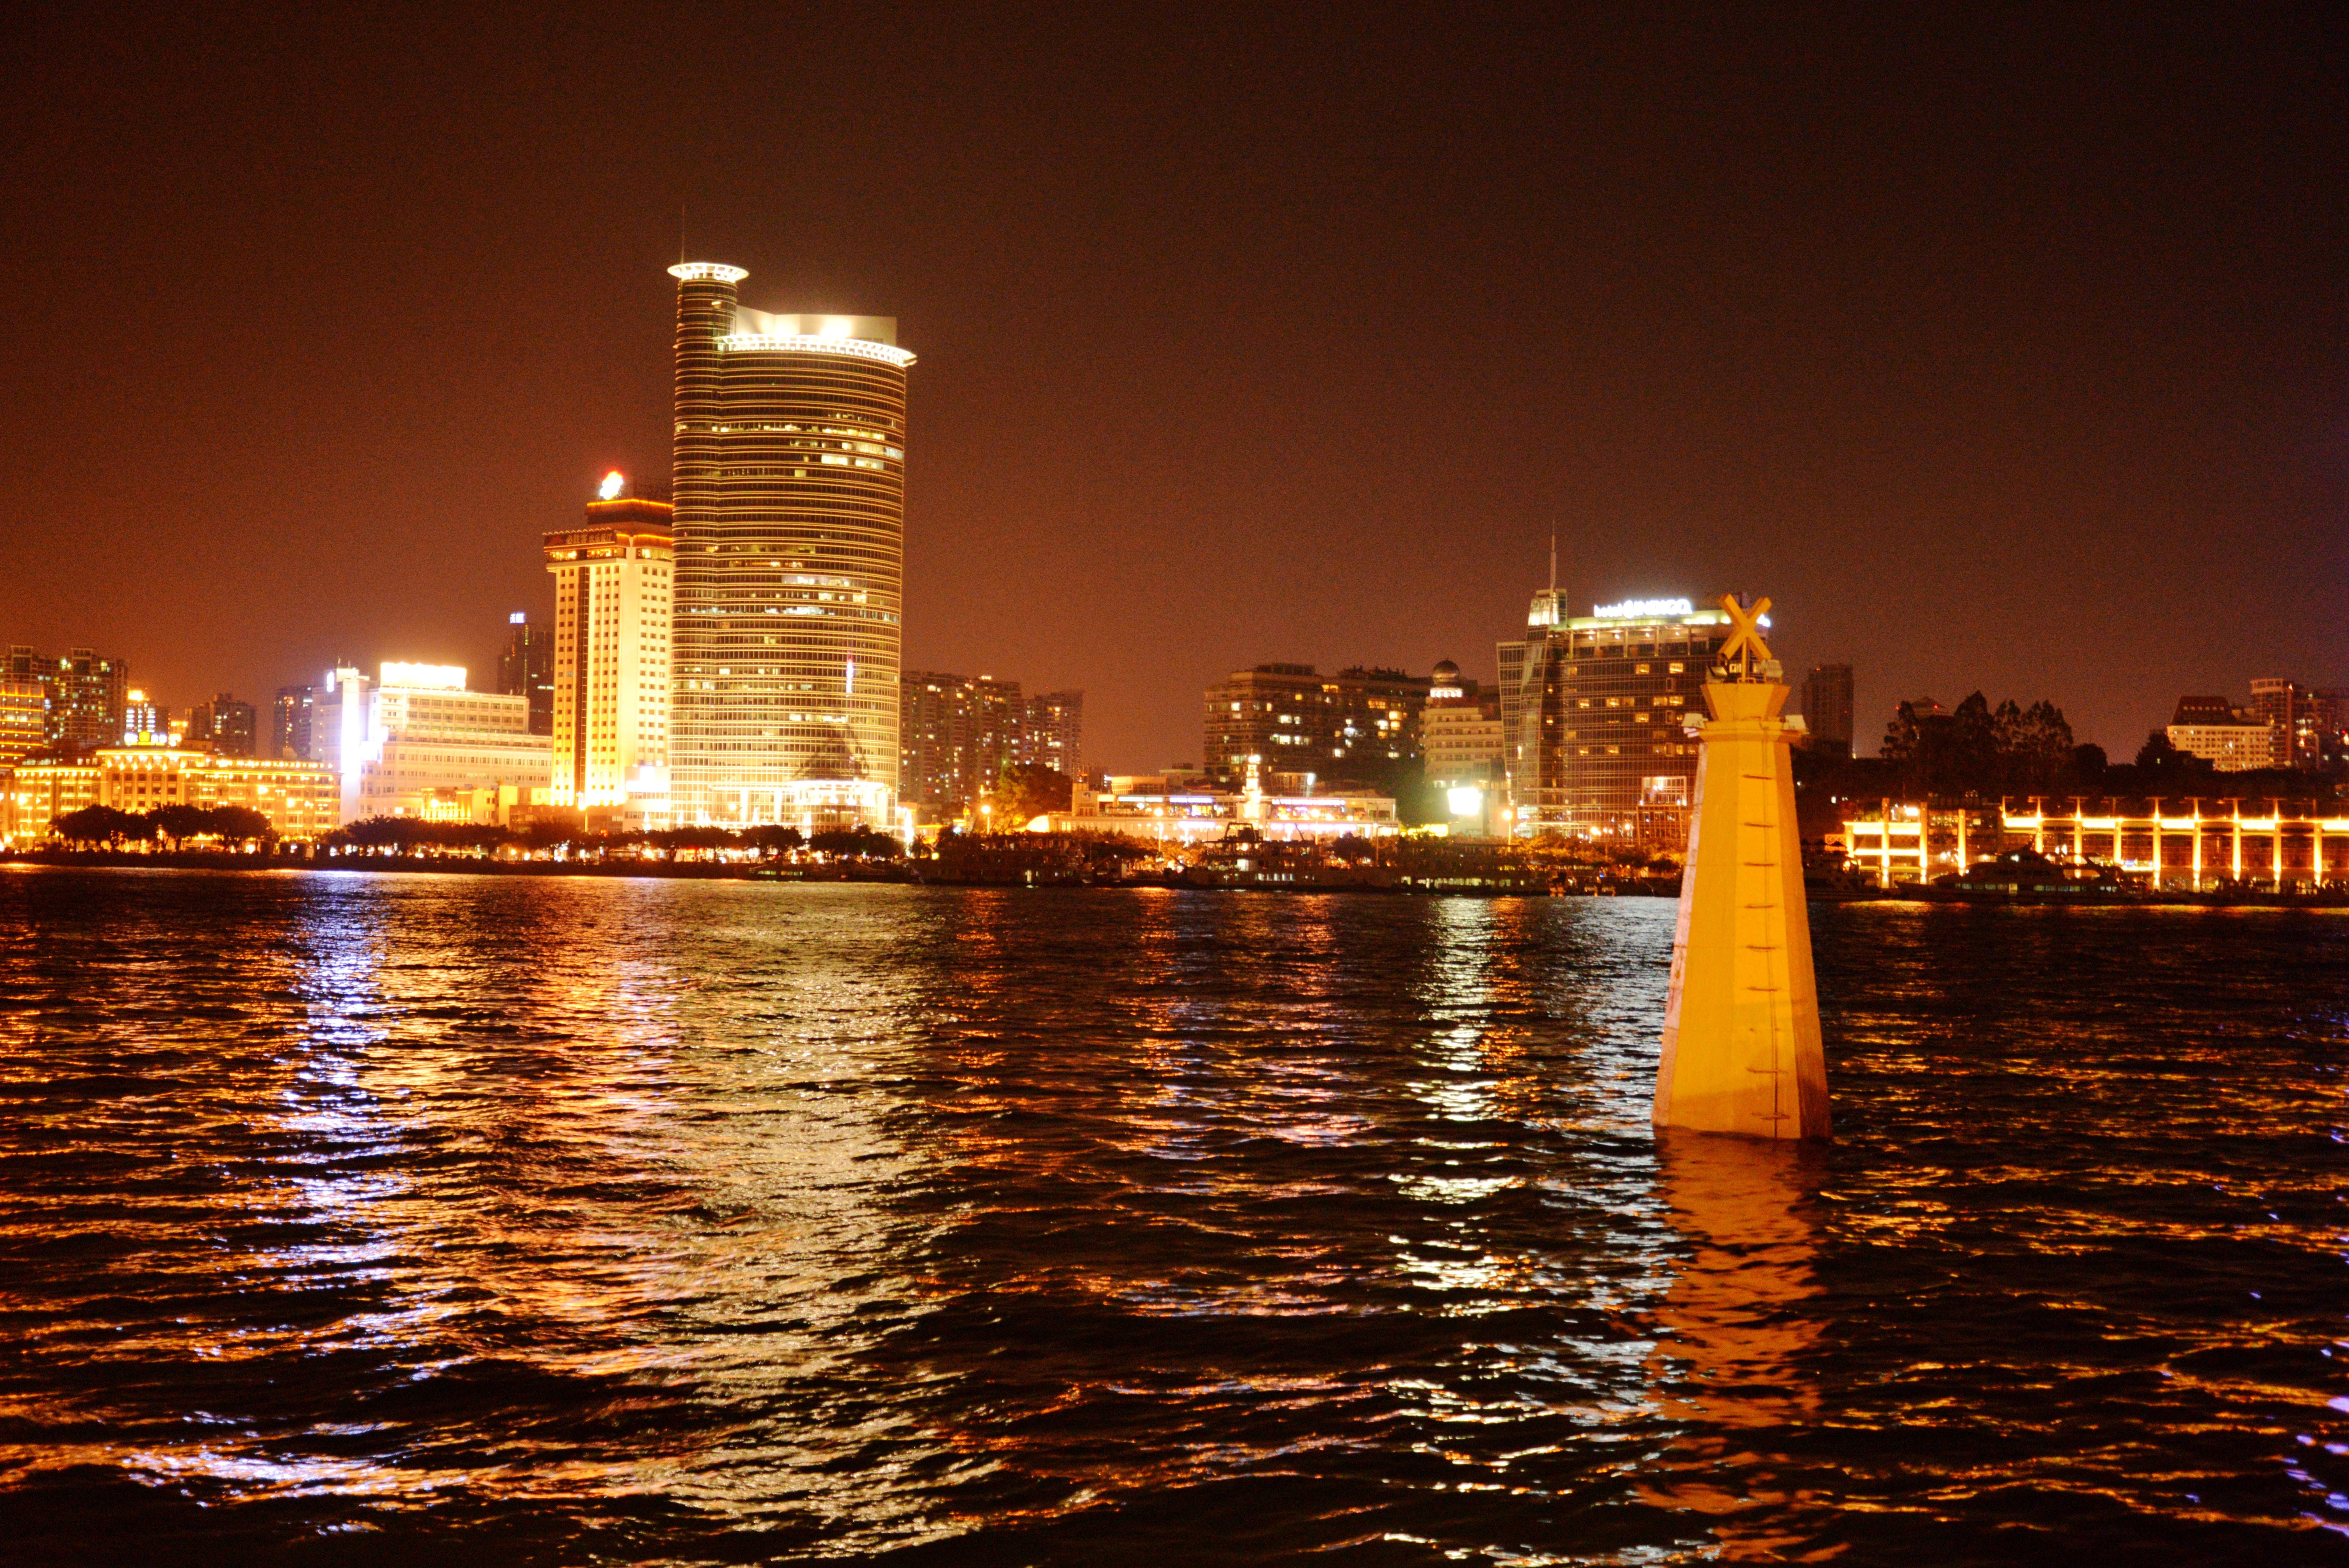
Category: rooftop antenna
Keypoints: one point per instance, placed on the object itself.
(1553, 560)
(680, 234)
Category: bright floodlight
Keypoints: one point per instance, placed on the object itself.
(1467, 800)
(613, 483)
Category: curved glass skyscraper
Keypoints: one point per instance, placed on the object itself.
(790, 490)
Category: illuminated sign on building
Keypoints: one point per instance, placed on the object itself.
(1642, 609)
(423, 678)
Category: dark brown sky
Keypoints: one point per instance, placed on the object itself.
(2009, 355)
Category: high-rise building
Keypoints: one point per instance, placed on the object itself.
(84, 695)
(933, 740)
(1826, 706)
(957, 733)
(24, 719)
(612, 586)
(526, 668)
(789, 489)
(1355, 726)
(2301, 718)
(1592, 711)
(1054, 732)
(289, 722)
(224, 726)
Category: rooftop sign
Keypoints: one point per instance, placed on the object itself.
(1642, 609)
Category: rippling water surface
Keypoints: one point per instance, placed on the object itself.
(444, 1219)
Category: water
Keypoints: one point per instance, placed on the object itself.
(407, 1218)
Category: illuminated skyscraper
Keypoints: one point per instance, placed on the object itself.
(612, 593)
(1593, 711)
(790, 494)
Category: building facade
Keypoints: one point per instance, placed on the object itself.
(1460, 737)
(393, 742)
(526, 668)
(289, 722)
(1359, 724)
(790, 490)
(2231, 739)
(1826, 706)
(300, 799)
(24, 719)
(612, 587)
(1053, 736)
(85, 692)
(957, 733)
(1593, 712)
(223, 725)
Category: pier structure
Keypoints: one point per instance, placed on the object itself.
(2192, 844)
(1741, 1047)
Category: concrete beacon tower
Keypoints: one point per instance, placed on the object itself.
(1742, 1029)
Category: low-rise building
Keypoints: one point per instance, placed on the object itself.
(392, 741)
(299, 798)
(1157, 810)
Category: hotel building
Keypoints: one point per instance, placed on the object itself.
(790, 491)
(395, 743)
(2229, 739)
(612, 586)
(1593, 712)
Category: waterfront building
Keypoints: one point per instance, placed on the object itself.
(526, 668)
(36, 794)
(289, 722)
(24, 719)
(224, 726)
(2231, 739)
(1356, 725)
(1461, 740)
(1827, 706)
(612, 587)
(2165, 841)
(1593, 712)
(790, 464)
(85, 694)
(1173, 811)
(392, 741)
(299, 798)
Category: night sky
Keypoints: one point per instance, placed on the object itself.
(2012, 356)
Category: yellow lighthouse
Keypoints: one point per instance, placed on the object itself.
(1742, 1050)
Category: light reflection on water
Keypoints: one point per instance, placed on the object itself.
(686, 1222)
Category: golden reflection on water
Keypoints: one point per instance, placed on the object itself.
(1733, 1332)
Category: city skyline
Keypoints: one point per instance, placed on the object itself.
(1173, 328)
